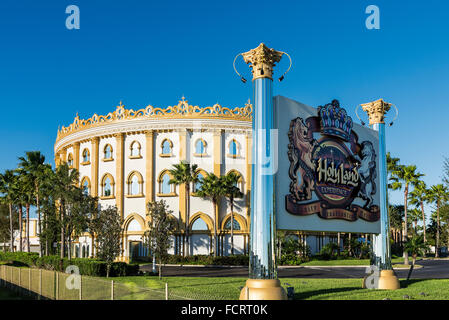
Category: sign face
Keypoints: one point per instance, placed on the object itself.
(327, 178)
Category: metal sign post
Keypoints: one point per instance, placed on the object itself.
(376, 111)
(263, 283)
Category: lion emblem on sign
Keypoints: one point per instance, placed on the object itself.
(302, 167)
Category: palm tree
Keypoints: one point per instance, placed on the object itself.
(392, 165)
(405, 175)
(7, 181)
(34, 165)
(415, 246)
(185, 174)
(64, 182)
(415, 215)
(232, 191)
(213, 187)
(27, 195)
(417, 197)
(438, 194)
(396, 214)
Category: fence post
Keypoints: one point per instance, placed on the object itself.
(57, 286)
(166, 291)
(40, 284)
(81, 286)
(19, 285)
(29, 281)
(112, 289)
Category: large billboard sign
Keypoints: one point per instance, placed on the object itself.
(327, 178)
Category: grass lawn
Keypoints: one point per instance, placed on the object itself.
(305, 289)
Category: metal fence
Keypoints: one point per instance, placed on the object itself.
(53, 285)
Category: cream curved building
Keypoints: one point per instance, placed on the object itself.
(123, 158)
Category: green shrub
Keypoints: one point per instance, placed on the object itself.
(241, 260)
(87, 266)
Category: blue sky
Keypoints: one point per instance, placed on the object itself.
(147, 52)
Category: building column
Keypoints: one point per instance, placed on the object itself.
(119, 166)
(218, 160)
(94, 166)
(149, 169)
(249, 142)
(182, 192)
(76, 157)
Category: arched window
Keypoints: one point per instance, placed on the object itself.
(233, 148)
(70, 160)
(235, 224)
(166, 188)
(85, 185)
(199, 225)
(107, 185)
(107, 152)
(135, 149)
(167, 147)
(135, 184)
(86, 155)
(200, 147)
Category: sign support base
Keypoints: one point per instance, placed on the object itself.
(388, 281)
(263, 289)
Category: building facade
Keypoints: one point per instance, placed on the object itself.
(124, 159)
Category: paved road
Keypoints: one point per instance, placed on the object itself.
(432, 269)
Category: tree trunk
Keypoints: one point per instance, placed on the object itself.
(28, 226)
(39, 220)
(214, 202)
(160, 268)
(11, 229)
(404, 235)
(62, 251)
(437, 241)
(232, 226)
(423, 221)
(187, 240)
(20, 227)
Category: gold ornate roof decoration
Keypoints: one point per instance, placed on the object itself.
(376, 110)
(180, 111)
(262, 60)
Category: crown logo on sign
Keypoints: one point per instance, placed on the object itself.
(335, 121)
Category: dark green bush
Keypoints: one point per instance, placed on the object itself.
(239, 260)
(87, 266)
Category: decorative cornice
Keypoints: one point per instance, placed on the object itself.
(376, 110)
(180, 111)
(262, 60)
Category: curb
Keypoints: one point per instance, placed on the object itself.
(195, 266)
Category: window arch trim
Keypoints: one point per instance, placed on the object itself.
(139, 181)
(160, 181)
(111, 158)
(131, 148)
(170, 143)
(103, 183)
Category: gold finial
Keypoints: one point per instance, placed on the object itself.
(376, 110)
(262, 60)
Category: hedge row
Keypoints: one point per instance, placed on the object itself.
(87, 266)
(237, 260)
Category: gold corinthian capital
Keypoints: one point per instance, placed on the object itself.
(376, 110)
(262, 60)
